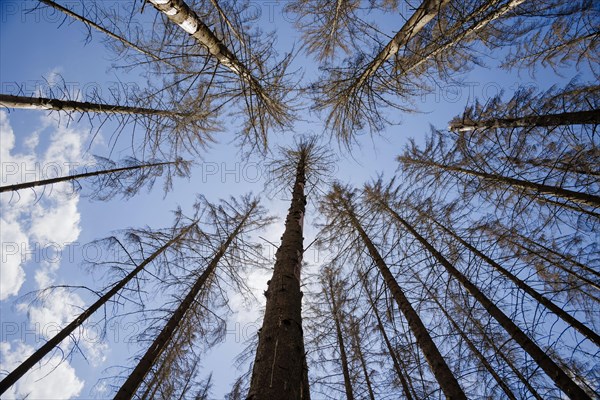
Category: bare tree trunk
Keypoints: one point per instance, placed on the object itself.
(280, 363)
(560, 378)
(436, 49)
(548, 120)
(340, 340)
(391, 351)
(19, 186)
(130, 386)
(357, 349)
(36, 357)
(180, 13)
(568, 318)
(440, 369)
(562, 165)
(421, 17)
(42, 103)
(585, 199)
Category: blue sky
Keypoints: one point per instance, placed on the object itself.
(34, 53)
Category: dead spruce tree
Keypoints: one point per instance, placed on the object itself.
(349, 95)
(280, 370)
(340, 207)
(379, 198)
(176, 339)
(109, 179)
(177, 235)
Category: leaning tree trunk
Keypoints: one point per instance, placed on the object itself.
(178, 12)
(565, 316)
(547, 120)
(279, 366)
(391, 351)
(336, 313)
(440, 369)
(128, 389)
(435, 49)
(519, 244)
(36, 357)
(25, 185)
(585, 199)
(420, 18)
(42, 103)
(560, 378)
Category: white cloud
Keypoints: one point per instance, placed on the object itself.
(45, 218)
(36, 219)
(36, 384)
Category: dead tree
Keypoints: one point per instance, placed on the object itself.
(340, 205)
(107, 183)
(554, 371)
(279, 370)
(130, 386)
(51, 344)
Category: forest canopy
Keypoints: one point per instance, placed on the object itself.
(383, 199)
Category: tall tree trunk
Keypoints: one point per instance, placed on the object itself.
(560, 378)
(178, 12)
(568, 318)
(25, 185)
(280, 362)
(336, 312)
(435, 49)
(391, 351)
(585, 199)
(420, 18)
(42, 103)
(36, 357)
(128, 389)
(357, 349)
(547, 120)
(440, 369)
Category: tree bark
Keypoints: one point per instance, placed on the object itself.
(279, 366)
(568, 318)
(547, 120)
(486, 364)
(340, 340)
(420, 18)
(477, 26)
(178, 12)
(25, 185)
(42, 103)
(560, 378)
(36, 357)
(128, 389)
(440, 369)
(499, 352)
